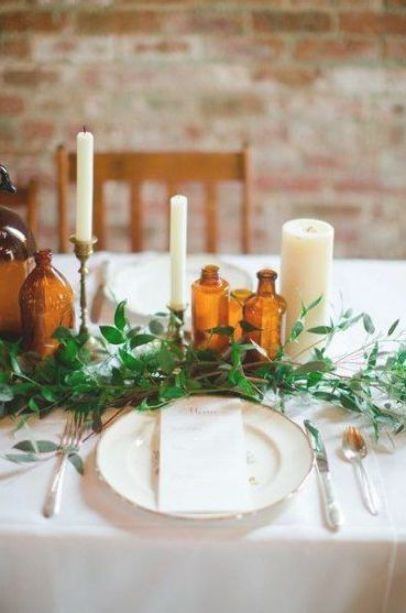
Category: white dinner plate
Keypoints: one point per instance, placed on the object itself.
(146, 285)
(279, 457)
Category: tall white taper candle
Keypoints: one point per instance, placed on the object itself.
(306, 264)
(178, 241)
(84, 186)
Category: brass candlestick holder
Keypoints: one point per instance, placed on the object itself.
(83, 250)
(176, 330)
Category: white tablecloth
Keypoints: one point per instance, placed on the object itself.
(101, 554)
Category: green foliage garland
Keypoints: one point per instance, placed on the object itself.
(146, 369)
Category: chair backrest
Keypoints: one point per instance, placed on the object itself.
(170, 168)
(25, 197)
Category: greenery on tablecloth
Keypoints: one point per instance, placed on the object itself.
(145, 369)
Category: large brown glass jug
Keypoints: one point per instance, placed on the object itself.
(209, 309)
(265, 311)
(46, 301)
(17, 246)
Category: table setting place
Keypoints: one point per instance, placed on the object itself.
(222, 395)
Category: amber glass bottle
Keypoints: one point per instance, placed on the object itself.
(209, 309)
(265, 310)
(46, 301)
(238, 298)
(17, 246)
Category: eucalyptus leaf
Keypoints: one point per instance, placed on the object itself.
(16, 365)
(129, 360)
(68, 353)
(77, 462)
(166, 360)
(246, 326)
(321, 330)
(296, 330)
(368, 324)
(313, 366)
(6, 393)
(222, 330)
(393, 327)
(63, 334)
(141, 339)
(37, 446)
(313, 304)
(48, 393)
(112, 335)
(172, 392)
(21, 458)
(120, 320)
(156, 327)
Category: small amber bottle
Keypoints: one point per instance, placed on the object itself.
(264, 311)
(209, 309)
(238, 297)
(46, 303)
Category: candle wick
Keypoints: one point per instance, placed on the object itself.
(311, 229)
(84, 129)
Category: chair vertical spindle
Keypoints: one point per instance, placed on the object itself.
(211, 218)
(62, 163)
(32, 204)
(136, 216)
(99, 216)
(171, 190)
(246, 230)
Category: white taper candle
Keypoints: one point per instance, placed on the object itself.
(84, 186)
(306, 265)
(178, 241)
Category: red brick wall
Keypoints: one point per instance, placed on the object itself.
(317, 86)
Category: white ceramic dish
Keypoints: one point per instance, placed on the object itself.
(279, 457)
(145, 285)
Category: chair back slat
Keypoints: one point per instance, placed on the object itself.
(170, 168)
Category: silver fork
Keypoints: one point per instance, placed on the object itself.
(70, 439)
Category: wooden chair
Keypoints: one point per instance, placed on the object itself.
(27, 197)
(170, 168)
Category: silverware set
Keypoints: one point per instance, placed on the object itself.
(354, 450)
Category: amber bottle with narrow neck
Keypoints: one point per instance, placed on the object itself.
(46, 302)
(209, 309)
(265, 311)
(17, 246)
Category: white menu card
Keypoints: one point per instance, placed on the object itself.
(203, 465)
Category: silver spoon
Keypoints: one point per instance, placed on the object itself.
(355, 450)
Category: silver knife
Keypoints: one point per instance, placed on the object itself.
(334, 515)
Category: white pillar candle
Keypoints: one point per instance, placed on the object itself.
(306, 265)
(178, 238)
(84, 186)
